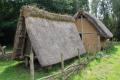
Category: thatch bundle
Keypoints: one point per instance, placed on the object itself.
(36, 12)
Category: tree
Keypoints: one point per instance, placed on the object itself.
(116, 14)
(103, 10)
(9, 13)
(94, 7)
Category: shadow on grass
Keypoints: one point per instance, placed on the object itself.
(110, 50)
(16, 70)
(12, 70)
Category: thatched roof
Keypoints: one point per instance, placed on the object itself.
(102, 29)
(50, 38)
(36, 12)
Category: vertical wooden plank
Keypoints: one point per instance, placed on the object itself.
(88, 52)
(62, 66)
(99, 44)
(32, 65)
(2, 49)
(78, 71)
(26, 61)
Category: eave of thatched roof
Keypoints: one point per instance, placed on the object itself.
(102, 29)
(36, 12)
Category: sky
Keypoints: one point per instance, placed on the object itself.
(90, 4)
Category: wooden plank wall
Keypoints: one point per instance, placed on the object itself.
(91, 38)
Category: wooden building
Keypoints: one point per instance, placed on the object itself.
(48, 35)
(92, 31)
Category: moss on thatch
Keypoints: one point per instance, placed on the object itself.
(36, 12)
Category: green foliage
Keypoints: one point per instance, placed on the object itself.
(108, 12)
(9, 13)
(116, 14)
(94, 7)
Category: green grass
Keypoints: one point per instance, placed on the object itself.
(16, 70)
(106, 68)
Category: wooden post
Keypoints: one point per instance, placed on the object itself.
(78, 69)
(26, 61)
(62, 67)
(2, 49)
(99, 44)
(88, 52)
(32, 65)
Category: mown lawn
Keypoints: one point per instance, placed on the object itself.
(106, 68)
(16, 70)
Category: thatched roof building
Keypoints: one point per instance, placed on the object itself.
(94, 33)
(102, 29)
(48, 34)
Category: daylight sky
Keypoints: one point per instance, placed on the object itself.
(90, 4)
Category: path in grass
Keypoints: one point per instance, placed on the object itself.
(107, 68)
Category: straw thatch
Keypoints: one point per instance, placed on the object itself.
(102, 29)
(49, 38)
(36, 12)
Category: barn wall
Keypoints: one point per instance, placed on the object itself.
(87, 26)
(90, 37)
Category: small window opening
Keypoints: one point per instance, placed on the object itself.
(80, 34)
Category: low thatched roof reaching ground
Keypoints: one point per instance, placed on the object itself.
(102, 29)
(51, 34)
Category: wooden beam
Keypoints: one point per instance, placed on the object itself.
(2, 49)
(32, 65)
(99, 43)
(89, 33)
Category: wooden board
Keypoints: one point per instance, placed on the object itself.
(91, 38)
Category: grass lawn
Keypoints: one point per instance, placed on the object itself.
(106, 68)
(16, 70)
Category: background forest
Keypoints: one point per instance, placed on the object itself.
(107, 11)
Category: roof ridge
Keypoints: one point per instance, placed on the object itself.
(36, 12)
